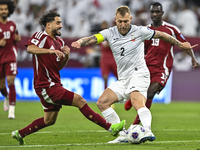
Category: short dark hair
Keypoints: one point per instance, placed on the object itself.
(48, 17)
(10, 4)
(157, 4)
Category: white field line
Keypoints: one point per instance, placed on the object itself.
(83, 131)
(90, 144)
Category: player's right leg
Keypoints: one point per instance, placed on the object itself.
(50, 115)
(12, 96)
(38, 124)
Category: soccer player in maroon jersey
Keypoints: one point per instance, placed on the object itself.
(8, 55)
(49, 56)
(159, 55)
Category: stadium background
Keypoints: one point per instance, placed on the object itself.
(80, 21)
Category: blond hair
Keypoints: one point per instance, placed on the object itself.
(122, 10)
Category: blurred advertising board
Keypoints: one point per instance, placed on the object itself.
(83, 81)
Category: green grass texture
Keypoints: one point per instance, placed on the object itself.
(175, 125)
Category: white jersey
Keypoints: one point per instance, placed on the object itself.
(128, 50)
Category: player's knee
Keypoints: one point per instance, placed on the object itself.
(50, 122)
(101, 103)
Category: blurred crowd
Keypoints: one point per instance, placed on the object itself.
(84, 17)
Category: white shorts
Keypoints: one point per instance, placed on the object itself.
(139, 81)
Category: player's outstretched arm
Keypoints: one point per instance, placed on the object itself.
(84, 41)
(168, 38)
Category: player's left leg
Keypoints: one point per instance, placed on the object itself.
(12, 96)
(80, 102)
(138, 101)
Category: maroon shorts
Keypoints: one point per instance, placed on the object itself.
(53, 98)
(9, 68)
(159, 77)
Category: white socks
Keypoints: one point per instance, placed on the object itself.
(111, 116)
(145, 118)
(11, 112)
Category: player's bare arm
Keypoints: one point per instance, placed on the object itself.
(168, 38)
(63, 62)
(84, 41)
(2, 42)
(36, 50)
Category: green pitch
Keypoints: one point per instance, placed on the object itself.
(176, 127)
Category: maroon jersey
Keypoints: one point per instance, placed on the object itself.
(106, 53)
(46, 66)
(8, 53)
(107, 62)
(158, 53)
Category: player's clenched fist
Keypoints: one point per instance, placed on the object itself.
(76, 45)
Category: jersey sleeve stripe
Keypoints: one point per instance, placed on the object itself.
(38, 35)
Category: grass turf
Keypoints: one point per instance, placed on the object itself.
(176, 127)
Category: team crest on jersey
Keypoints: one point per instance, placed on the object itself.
(11, 28)
(0, 30)
(133, 38)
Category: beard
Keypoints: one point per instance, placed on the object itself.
(4, 16)
(56, 32)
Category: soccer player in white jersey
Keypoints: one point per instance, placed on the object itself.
(127, 44)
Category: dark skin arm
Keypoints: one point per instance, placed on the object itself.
(185, 45)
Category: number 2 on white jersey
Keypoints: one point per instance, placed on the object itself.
(155, 42)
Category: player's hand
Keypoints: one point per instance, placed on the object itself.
(66, 50)
(187, 46)
(76, 45)
(58, 53)
(195, 64)
(2, 42)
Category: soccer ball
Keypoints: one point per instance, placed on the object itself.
(135, 133)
